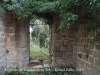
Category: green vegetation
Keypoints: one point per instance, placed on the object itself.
(20, 73)
(77, 12)
(41, 73)
(71, 11)
(38, 53)
(39, 40)
(40, 34)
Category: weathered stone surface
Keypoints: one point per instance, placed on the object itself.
(63, 49)
(36, 61)
(68, 48)
(2, 43)
(92, 34)
(82, 40)
(91, 47)
(91, 64)
(46, 61)
(97, 62)
(17, 38)
(95, 54)
(46, 65)
(91, 60)
(57, 54)
(38, 66)
(58, 43)
(66, 43)
(95, 70)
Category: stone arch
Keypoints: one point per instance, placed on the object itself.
(17, 42)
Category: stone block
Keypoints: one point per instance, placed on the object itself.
(95, 70)
(97, 62)
(88, 40)
(56, 49)
(90, 73)
(97, 47)
(12, 50)
(70, 35)
(60, 60)
(64, 36)
(82, 40)
(1, 28)
(66, 55)
(57, 54)
(91, 60)
(12, 56)
(82, 62)
(53, 59)
(58, 43)
(90, 52)
(88, 65)
(95, 54)
(91, 46)
(10, 44)
(70, 48)
(92, 34)
(12, 64)
(63, 49)
(99, 55)
(66, 43)
(84, 57)
(12, 38)
(58, 36)
(69, 60)
(22, 50)
(10, 30)
(21, 44)
(83, 50)
(85, 34)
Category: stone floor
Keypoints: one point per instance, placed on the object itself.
(39, 64)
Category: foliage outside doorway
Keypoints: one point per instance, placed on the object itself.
(39, 40)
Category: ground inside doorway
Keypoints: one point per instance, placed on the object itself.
(39, 64)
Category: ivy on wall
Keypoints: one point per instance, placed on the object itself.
(84, 12)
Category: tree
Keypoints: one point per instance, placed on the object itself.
(80, 11)
(40, 34)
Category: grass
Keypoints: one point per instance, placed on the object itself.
(20, 73)
(38, 53)
(41, 73)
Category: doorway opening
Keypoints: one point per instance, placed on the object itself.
(39, 41)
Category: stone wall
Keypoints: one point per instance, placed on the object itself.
(17, 40)
(73, 48)
(68, 48)
(86, 56)
(2, 43)
(61, 46)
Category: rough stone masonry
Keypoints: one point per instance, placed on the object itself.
(2, 43)
(66, 48)
(17, 41)
(61, 45)
(82, 47)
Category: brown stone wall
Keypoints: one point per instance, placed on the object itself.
(17, 40)
(86, 56)
(2, 43)
(61, 46)
(68, 48)
(73, 48)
